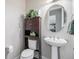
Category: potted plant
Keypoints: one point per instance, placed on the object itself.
(31, 14)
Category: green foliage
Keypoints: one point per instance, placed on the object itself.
(32, 13)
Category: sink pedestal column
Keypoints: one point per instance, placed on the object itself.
(54, 52)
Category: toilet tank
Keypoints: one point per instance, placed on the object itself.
(32, 44)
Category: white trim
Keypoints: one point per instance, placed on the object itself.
(43, 57)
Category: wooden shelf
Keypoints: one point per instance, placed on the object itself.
(32, 37)
(33, 25)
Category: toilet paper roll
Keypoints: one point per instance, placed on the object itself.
(10, 48)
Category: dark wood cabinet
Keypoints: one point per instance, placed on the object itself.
(28, 24)
(32, 24)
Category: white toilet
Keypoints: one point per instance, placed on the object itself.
(29, 53)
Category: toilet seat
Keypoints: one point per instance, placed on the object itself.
(27, 53)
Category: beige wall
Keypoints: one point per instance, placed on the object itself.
(14, 9)
(35, 4)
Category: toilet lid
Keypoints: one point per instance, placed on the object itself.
(27, 53)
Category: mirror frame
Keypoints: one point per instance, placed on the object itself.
(55, 7)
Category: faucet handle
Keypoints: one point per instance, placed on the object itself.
(50, 37)
(58, 37)
(53, 36)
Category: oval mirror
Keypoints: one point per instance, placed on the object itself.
(56, 18)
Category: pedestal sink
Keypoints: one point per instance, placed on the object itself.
(55, 43)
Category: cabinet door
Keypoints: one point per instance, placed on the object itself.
(28, 25)
(36, 25)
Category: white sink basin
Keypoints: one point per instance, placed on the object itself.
(55, 42)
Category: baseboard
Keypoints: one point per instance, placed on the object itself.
(44, 57)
